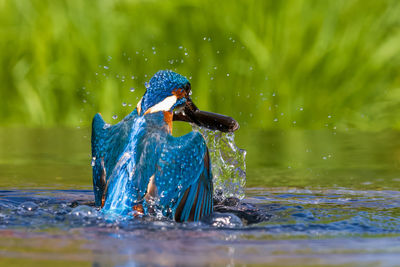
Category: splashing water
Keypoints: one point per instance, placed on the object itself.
(228, 163)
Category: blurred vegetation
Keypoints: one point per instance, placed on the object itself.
(270, 64)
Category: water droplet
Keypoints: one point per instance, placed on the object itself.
(324, 158)
(123, 104)
(29, 206)
(273, 94)
(301, 109)
(132, 89)
(146, 84)
(145, 59)
(276, 119)
(83, 211)
(294, 122)
(153, 48)
(329, 116)
(186, 53)
(180, 47)
(114, 117)
(84, 100)
(106, 67)
(227, 74)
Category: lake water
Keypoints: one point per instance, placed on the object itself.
(312, 198)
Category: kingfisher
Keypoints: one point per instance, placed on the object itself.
(139, 168)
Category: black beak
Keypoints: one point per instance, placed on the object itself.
(212, 121)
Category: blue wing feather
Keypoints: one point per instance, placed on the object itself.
(127, 154)
(108, 143)
(98, 138)
(184, 177)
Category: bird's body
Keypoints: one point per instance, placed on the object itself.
(139, 167)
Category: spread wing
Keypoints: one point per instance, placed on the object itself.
(108, 142)
(184, 178)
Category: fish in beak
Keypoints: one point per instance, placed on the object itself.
(213, 121)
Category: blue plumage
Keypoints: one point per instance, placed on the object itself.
(161, 86)
(138, 166)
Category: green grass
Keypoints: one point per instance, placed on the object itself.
(318, 63)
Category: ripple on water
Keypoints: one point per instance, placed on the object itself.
(361, 226)
(271, 211)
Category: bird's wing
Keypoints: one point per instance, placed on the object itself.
(108, 142)
(184, 178)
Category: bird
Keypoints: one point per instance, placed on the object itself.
(140, 168)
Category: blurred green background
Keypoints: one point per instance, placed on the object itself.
(270, 64)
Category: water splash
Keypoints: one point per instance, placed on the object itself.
(228, 162)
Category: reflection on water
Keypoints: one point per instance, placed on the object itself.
(312, 198)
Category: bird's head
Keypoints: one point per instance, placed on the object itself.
(168, 91)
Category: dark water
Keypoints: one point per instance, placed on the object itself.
(312, 198)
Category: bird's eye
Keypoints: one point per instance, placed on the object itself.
(187, 88)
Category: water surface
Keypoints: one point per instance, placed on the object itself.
(312, 198)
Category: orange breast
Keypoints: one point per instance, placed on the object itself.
(168, 119)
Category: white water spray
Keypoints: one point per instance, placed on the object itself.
(228, 162)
